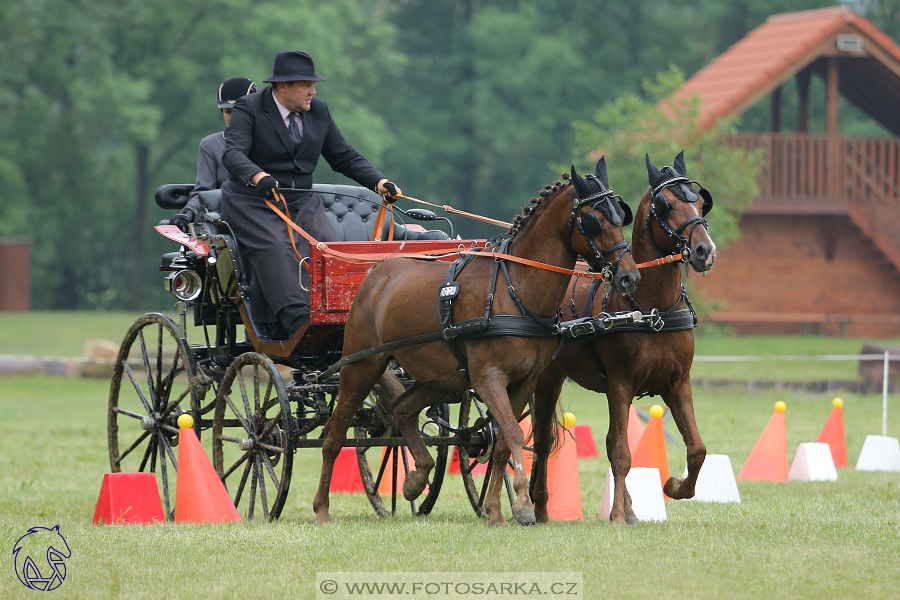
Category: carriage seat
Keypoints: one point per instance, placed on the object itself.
(351, 210)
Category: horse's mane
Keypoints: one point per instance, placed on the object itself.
(528, 211)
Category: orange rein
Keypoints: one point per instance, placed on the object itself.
(377, 257)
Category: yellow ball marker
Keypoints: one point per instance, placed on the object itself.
(185, 421)
(837, 403)
(568, 420)
(656, 411)
(780, 406)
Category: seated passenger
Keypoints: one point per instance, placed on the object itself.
(211, 174)
(274, 140)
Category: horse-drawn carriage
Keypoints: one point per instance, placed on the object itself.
(248, 394)
(256, 400)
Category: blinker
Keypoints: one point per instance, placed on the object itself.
(707, 200)
(591, 224)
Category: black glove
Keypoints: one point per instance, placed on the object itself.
(182, 219)
(388, 190)
(266, 187)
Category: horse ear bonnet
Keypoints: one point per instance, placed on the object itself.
(655, 177)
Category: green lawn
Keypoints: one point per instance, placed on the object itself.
(786, 540)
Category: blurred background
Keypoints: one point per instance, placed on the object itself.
(471, 103)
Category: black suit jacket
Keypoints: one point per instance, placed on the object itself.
(257, 140)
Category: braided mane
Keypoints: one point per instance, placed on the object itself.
(528, 211)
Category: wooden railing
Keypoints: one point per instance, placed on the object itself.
(809, 168)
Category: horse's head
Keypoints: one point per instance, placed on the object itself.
(600, 216)
(675, 211)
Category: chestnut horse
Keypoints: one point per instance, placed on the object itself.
(624, 364)
(399, 299)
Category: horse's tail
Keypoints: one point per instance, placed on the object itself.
(386, 389)
(557, 429)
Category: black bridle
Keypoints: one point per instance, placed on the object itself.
(590, 227)
(682, 244)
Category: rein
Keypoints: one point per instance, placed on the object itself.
(462, 213)
(366, 258)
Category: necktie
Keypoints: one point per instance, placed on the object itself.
(294, 129)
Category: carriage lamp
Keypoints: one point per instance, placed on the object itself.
(184, 285)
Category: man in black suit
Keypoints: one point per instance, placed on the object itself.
(274, 140)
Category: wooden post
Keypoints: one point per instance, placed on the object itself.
(803, 78)
(775, 110)
(831, 119)
(831, 103)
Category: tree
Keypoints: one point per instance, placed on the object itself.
(106, 99)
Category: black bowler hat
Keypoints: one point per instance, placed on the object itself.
(293, 66)
(233, 89)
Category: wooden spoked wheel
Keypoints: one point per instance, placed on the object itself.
(154, 381)
(476, 460)
(253, 448)
(384, 468)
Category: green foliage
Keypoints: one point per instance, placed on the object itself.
(463, 102)
(630, 126)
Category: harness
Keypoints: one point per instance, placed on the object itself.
(527, 324)
(682, 244)
(590, 226)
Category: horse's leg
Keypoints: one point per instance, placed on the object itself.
(619, 454)
(680, 401)
(357, 380)
(546, 396)
(405, 409)
(500, 460)
(491, 388)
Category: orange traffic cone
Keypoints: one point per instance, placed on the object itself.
(651, 449)
(129, 498)
(586, 447)
(345, 476)
(768, 461)
(833, 434)
(200, 496)
(635, 429)
(563, 483)
(453, 468)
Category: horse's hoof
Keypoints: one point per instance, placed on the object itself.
(525, 517)
(411, 490)
(500, 523)
(673, 489)
(632, 520)
(323, 518)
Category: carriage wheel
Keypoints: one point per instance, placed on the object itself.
(384, 483)
(154, 381)
(476, 484)
(253, 436)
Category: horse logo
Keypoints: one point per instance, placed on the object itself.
(41, 543)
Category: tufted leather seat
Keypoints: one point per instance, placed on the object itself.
(351, 210)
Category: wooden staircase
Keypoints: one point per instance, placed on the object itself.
(807, 173)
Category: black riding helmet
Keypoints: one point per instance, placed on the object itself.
(233, 89)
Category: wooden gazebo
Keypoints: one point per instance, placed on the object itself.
(820, 246)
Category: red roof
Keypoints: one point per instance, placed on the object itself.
(787, 43)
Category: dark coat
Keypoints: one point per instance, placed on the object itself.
(211, 173)
(258, 140)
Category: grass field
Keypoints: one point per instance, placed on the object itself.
(786, 540)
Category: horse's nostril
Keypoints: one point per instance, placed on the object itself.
(702, 252)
